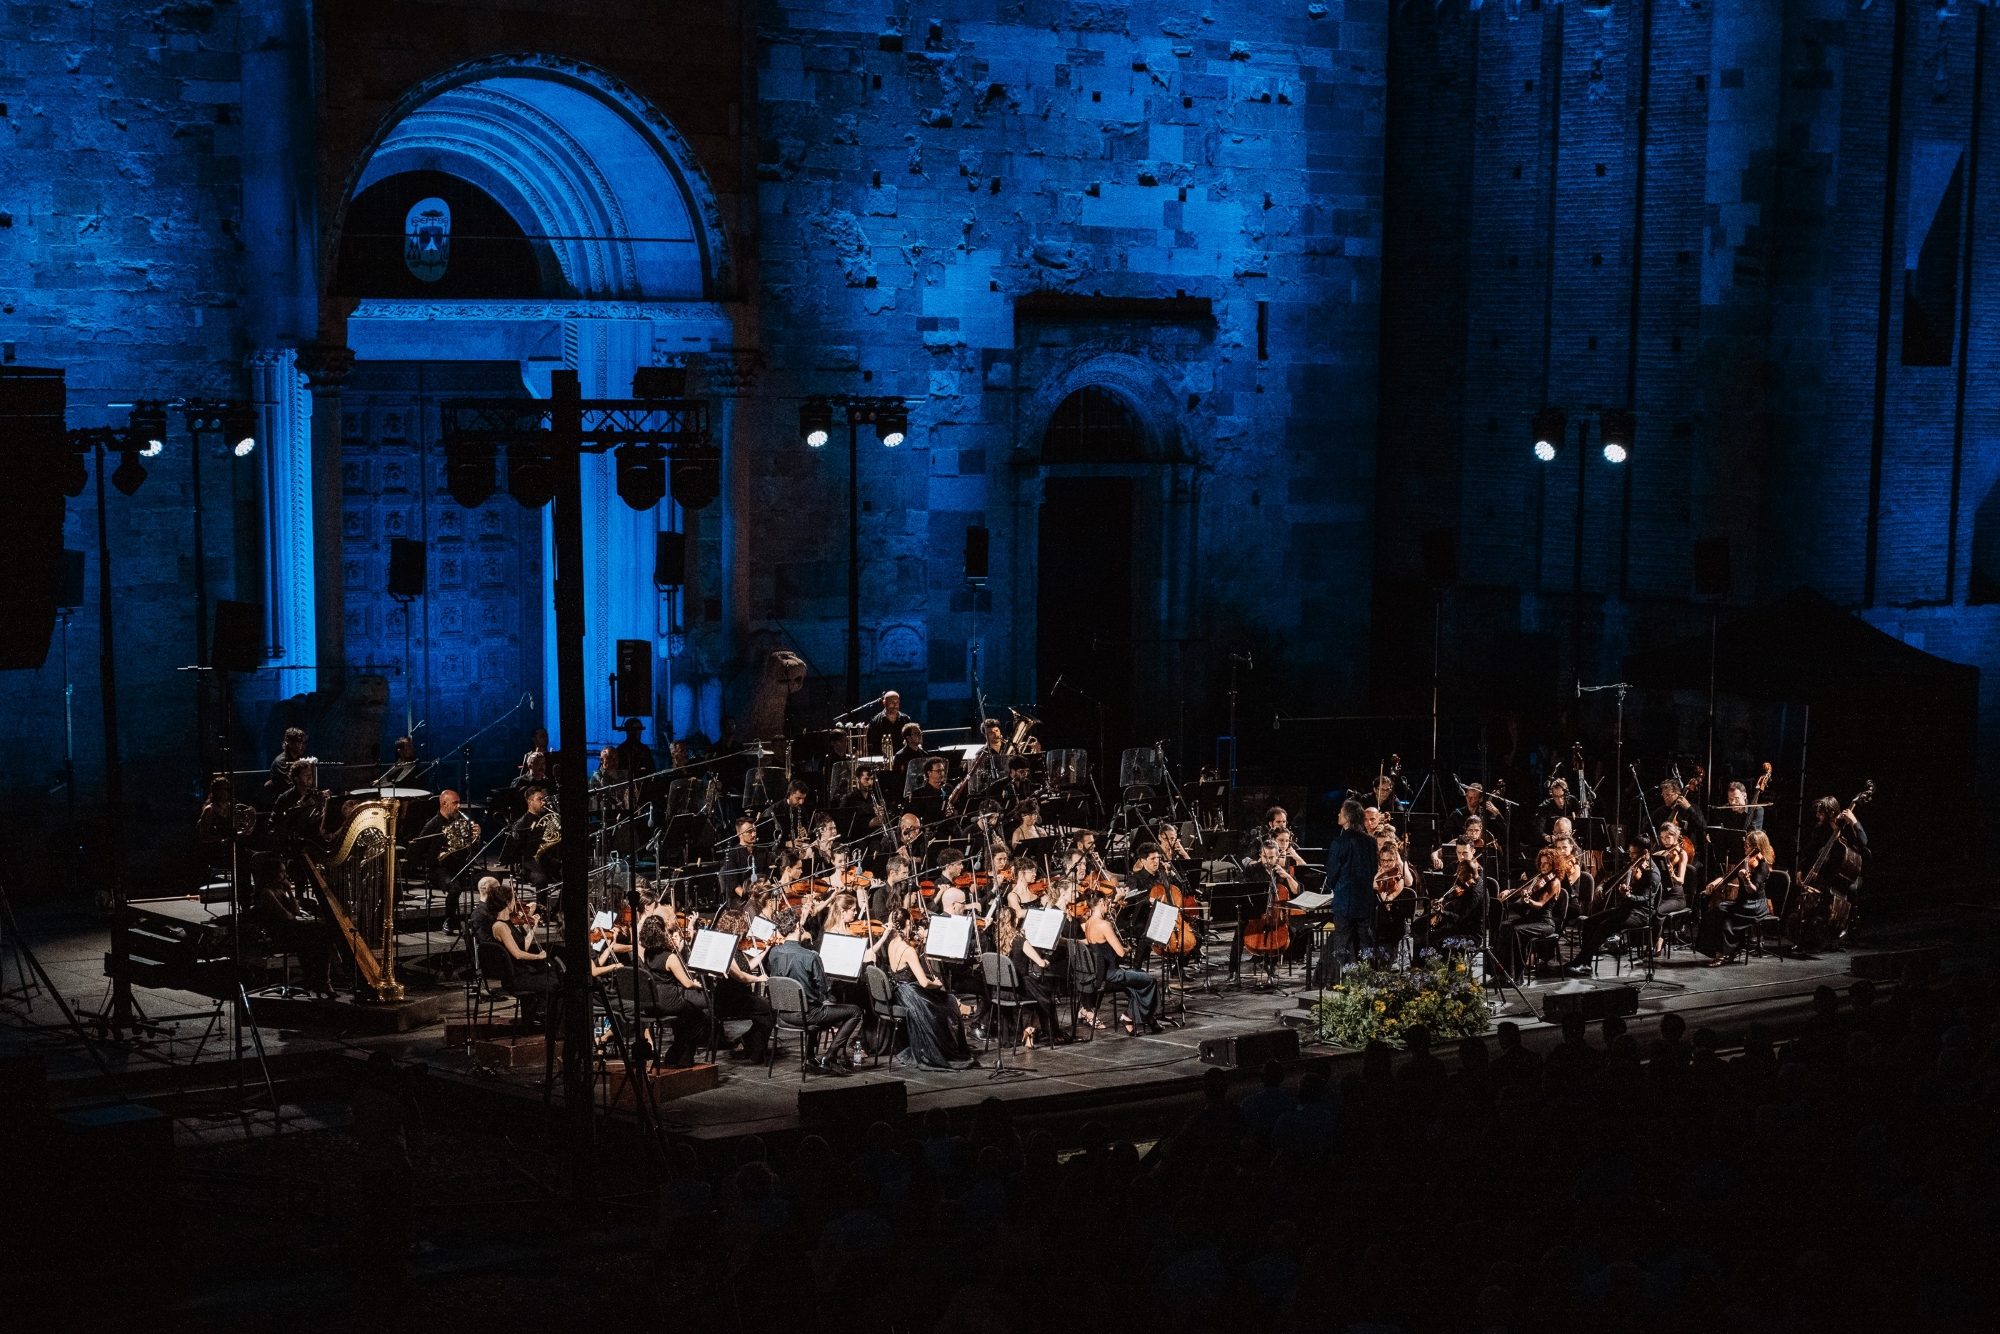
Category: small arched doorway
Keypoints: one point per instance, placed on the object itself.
(1087, 591)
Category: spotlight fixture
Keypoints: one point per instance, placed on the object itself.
(531, 474)
(642, 475)
(696, 471)
(1551, 423)
(890, 424)
(469, 471)
(149, 424)
(815, 421)
(239, 428)
(130, 473)
(1618, 427)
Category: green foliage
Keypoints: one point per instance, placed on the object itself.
(1375, 1000)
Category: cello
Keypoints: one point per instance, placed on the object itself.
(1168, 890)
(1269, 934)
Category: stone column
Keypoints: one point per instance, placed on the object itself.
(326, 366)
(732, 374)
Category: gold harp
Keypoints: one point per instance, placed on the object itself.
(359, 891)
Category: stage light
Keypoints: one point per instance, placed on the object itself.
(149, 424)
(531, 474)
(239, 428)
(815, 421)
(74, 476)
(130, 474)
(696, 471)
(469, 471)
(642, 475)
(891, 423)
(1618, 427)
(1551, 424)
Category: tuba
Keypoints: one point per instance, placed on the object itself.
(1019, 743)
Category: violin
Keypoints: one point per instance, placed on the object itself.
(1269, 934)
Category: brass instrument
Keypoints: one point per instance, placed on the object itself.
(1020, 743)
(460, 835)
(549, 826)
(358, 888)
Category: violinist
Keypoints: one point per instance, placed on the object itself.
(790, 958)
(1460, 912)
(1115, 973)
(1672, 861)
(664, 989)
(1629, 898)
(1395, 885)
(505, 929)
(987, 838)
(822, 849)
(1473, 837)
(1675, 806)
(1010, 939)
(1085, 865)
(1736, 901)
(1529, 915)
(933, 1019)
(735, 995)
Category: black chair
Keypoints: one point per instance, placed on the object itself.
(1083, 969)
(882, 1000)
(1005, 988)
(485, 983)
(788, 1015)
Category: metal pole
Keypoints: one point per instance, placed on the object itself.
(200, 606)
(853, 561)
(571, 784)
(1799, 821)
(1576, 560)
(114, 778)
(1437, 636)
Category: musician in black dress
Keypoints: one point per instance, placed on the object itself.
(1529, 917)
(1460, 912)
(1736, 900)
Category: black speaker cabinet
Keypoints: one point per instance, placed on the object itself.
(238, 642)
(406, 568)
(635, 679)
(72, 585)
(976, 544)
(1591, 1003)
(670, 560)
(1252, 1049)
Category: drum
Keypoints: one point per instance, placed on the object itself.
(1069, 768)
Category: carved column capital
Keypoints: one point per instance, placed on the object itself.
(325, 365)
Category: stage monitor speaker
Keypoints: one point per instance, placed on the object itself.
(1591, 1003)
(1440, 556)
(634, 696)
(1711, 567)
(72, 594)
(670, 560)
(1252, 1049)
(855, 1104)
(406, 568)
(41, 472)
(1916, 963)
(977, 540)
(238, 642)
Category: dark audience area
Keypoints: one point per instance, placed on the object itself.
(1629, 1178)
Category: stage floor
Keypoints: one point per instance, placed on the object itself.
(1104, 1068)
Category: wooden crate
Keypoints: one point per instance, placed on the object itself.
(666, 1085)
(457, 1032)
(522, 1052)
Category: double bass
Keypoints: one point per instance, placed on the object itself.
(1168, 890)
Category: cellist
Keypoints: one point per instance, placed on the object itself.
(1281, 887)
(1153, 881)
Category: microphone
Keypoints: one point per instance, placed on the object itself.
(530, 699)
(1057, 686)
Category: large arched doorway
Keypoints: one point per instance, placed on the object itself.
(512, 218)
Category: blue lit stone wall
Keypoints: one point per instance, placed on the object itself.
(119, 262)
(923, 169)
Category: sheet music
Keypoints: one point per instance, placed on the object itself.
(1309, 901)
(603, 921)
(762, 929)
(842, 955)
(948, 937)
(1044, 927)
(1161, 929)
(712, 951)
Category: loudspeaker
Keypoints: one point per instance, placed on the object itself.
(1252, 1049)
(40, 473)
(670, 560)
(72, 594)
(976, 541)
(1591, 1003)
(238, 642)
(1905, 965)
(855, 1104)
(634, 696)
(1440, 556)
(406, 568)
(1711, 567)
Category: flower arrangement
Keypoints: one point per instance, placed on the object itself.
(1376, 1000)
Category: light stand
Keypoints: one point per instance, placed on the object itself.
(890, 418)
(1617, 758)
